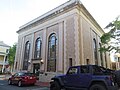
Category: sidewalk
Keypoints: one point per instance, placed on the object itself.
(4, 77)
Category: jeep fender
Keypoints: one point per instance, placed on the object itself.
(98, 81)
(59, 80)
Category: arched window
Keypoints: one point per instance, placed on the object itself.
(95, 51)
(38, 44)
(26, 55)
(52, 42)
(101, 55)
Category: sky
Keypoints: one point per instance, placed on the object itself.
(15, 13)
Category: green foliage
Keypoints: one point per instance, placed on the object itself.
(107, 37)
(11, 55)
(108, 48)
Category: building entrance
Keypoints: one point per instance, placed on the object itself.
(36, 68)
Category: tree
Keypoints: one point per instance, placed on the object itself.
(11, 55)
(111, 39)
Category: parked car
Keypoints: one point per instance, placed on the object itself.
(22, 78)
(85, 77)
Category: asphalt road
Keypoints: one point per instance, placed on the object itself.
(4, 86)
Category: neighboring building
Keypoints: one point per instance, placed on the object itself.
(65, 36)
(116, 55)
(4, 49)
(116, 63)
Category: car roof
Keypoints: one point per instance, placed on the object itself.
(23, 72)
(84, 65)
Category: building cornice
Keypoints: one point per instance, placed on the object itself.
(50, 14)
(55, 12)
(91, 18)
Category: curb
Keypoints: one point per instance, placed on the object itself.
(4, 77)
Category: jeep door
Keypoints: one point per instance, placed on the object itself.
(71, 79)
(78, 77)
(85, 76)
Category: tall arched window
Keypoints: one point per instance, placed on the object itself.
(52, 42)
(95, 51)
(38, 45)
(26, 55)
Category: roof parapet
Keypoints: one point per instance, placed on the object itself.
(59, 8)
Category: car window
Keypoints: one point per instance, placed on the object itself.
(15, 75)
(21, 74)
(29, 74)
(97, 70)
(73, 71)
(84, 69)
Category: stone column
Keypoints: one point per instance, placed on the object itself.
(77, 42)
(81, 43)
(64, 47)
(60, 63)
(43, 53)
(31, 53)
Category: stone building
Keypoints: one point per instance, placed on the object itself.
(65, 36)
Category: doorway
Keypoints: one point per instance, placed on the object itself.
(36, 68)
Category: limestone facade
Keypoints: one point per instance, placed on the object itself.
(75, 31)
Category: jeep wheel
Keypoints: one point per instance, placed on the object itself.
(97, 87)
(55, 86)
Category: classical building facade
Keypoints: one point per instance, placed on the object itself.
(65, 36)
(4, 49)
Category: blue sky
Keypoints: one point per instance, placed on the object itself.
(15, 13)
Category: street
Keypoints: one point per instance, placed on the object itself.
(4, 86)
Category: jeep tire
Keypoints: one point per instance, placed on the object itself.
(55, 86)
(97, 87)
